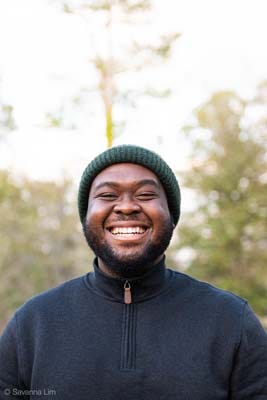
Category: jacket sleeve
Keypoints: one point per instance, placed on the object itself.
(249, 377)
(10, 374)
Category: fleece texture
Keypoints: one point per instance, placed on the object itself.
(179, 339)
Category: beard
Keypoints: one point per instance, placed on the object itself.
(134, 264)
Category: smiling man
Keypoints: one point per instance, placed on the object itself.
(128, 223)
(133, 329)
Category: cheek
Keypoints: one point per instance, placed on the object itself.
(158, 212)
(96, 214)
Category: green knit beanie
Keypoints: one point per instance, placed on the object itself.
(136, 155)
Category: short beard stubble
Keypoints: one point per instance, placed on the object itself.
(136, 264)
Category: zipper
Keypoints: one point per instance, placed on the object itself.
(128, 345)
(127, 293)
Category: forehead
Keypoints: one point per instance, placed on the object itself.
(125, 174)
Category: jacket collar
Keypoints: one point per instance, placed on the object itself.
(142, 288)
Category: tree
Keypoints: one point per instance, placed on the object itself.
(41, 240)
(123, 46)
(225, 235)
(7, 121)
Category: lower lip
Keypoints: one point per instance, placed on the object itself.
(129, 237)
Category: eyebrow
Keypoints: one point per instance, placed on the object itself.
(142, 182)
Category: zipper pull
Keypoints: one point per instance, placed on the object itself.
(127, 293)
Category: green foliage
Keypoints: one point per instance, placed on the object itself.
(41, 240)
(226, 232)
(127, 6)
(7, 121)
(160, 50)
(7, 118)
(53, 120)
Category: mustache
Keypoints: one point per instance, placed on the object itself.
(127, 218)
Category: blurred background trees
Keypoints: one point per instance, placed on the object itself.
(40, 237)
(41, 241)
(127, 48)
(221, 240)
(7, 122)
(224, 237)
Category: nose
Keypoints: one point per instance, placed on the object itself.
(127, 205)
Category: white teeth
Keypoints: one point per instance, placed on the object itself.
(127, 231)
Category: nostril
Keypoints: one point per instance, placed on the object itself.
(127, 207)
(127, 211)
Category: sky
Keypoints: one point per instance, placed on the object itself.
(45, 59)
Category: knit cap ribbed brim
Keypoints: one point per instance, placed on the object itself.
(136, 155)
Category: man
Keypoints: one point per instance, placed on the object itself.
(133, 329)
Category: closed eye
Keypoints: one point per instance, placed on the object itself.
(107, 196)
(147, 196)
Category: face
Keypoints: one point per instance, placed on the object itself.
(128, 223)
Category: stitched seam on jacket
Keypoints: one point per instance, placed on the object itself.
(241, 327)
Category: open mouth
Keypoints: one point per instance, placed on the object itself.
(128, 232)
(137, 230)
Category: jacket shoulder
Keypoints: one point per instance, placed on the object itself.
(53, 300)
(206, 292)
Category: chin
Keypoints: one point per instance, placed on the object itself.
(129, 265)
(129, 262)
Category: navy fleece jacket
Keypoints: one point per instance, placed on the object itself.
(178, 339)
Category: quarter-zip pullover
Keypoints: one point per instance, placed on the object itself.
(173, 338)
